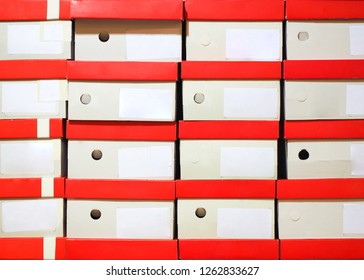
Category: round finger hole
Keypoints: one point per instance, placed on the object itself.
(85, 99)
(199, 98)
(96, 154)
(303, 36)
(200, 212)
(303, 155)
(104, 36)
(95, 214)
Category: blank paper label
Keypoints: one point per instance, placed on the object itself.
(53, 32)
(353, 218)
(139, 223)
(355, 99)
(27, 158)
(146, 162)
(247, 162)
(145, 104)
(251, 103)
(29, 215)
(153, 46)
(49, 90)
(357, 159)
(253, 44)
(244, 223)
(357, 40)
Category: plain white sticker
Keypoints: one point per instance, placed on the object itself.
(26, 40)
(353, 218)
(30, 215)
(251, 103)
(49, 90)
(146, 162)
(357, 159)
(27, 158)
(355, 100)
(53, 32)
(146, 104)
(357, 39)
(247, 162)
(139, 223)
(153, 46)
(244, 223)
(253, 44)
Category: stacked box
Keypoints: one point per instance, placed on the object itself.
(122, 129)
(321, 203)
(228, 136)
(35, 44)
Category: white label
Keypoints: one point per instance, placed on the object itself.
(139, 223)
(357, 40)
(53, 7)
(146, 162)
(26, 39)
(53, 32)
(27, 158)
(49, 90)
(153, 46)
(146, 104)
(353, 218)
(29, 215)
(355, 99)
(244, 223)
(251, 103)
(357, 159)
(247, 162)
(253, 44)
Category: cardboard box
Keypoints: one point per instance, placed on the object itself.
(31, 218)
(325, 40)
(121, 160)
(116, 40)
(135, 101)
(234, 41)
(120, 219)
(231, 100)
(35, 40)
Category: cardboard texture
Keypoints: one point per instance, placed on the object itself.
(235, 100)
(120, 219)
(225, 218)
(112, 40)
(138, 101)
(234, 41)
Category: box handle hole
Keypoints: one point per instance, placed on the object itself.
(200, 212)
(95, 214)
(303, 36)
(96, 154)
(303, 154)
(199, 98)
(104, 36)
(85, 99)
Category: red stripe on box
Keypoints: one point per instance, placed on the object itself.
(234, 10)
(112, 249)
(228, 249)
(327, 129)
(60, 248)
(322, 249)
(109, 71)
(225, 189)
(110, 130)
(228, 129)
(56, 128)
(21, 248)
(231, 70)
(320, 189)
(128, 9)
(120, 189)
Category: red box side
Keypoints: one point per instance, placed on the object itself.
(228, 129)
(59, 187)
(324, 9)
(118, 189)
(234, 10)
(322, 249)
(226, 189)
(127, 71)
(121, 9)
(320, 189)
(21, 248)
(109, 130)
(33, 69)
(60, 248)
(23, 10)
(112, 249)
(323, 69)
(327, 129)
(56, 128)
(231, 70)
(228, 249)
(65, 9)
